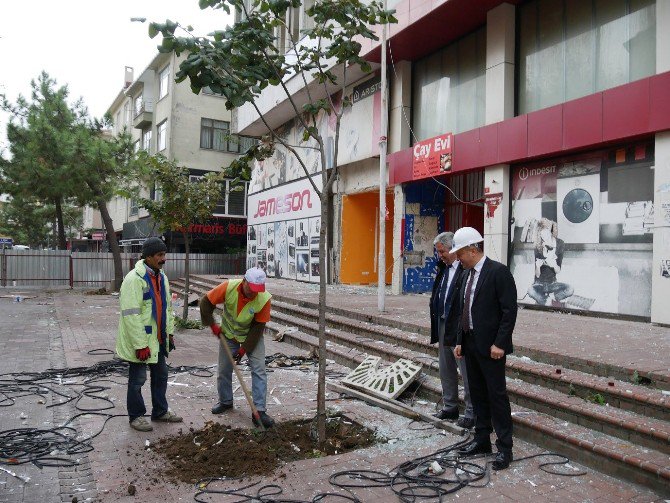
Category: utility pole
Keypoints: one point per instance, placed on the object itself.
(381, 261)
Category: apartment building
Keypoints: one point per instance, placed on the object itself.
(545, 124)
(167, 118)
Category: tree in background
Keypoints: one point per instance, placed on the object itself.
(102, 166)
(39, 135)
(61, 157)
(182, 202)
(238, 62)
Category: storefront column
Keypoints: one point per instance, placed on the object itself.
(400, 111)
(500, 47)
(500, 44)
(660, 284)
(496, 212)
(398, 263)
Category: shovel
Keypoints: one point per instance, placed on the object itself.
(254, 411)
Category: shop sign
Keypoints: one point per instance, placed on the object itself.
(285, 202)
(98, 236)
(492, 203)
(366, 89)
(222, 227)
(432, 157)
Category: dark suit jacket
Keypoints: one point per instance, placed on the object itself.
(494, 308)
(452, 306)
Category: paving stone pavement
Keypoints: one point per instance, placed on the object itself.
(60, 329)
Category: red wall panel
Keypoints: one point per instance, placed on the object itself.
(545, 131)
(583, 121)
(626, 110)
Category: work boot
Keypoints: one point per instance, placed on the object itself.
(474, 448)
(450, 414)
(168, 417)
(141, 424)
(267, 421)
(219, 408)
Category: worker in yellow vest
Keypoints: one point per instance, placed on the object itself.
(245, 309)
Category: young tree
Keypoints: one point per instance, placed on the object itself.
(181, 203)
(39, 134)
(103, 166)
(238, 62)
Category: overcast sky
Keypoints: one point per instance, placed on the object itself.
(85, 44)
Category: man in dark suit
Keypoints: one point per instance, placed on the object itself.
(444, 321)
(485, 338)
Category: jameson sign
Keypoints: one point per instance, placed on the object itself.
(432, 157)
(367, 88)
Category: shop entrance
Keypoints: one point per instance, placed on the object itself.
(360, 237)
(432, 206)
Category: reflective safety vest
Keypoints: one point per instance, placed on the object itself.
(236, 326)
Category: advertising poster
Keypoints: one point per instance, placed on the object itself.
(581, 235)
(432, 157)
(251, 247)
(285, 224)
(314, 238)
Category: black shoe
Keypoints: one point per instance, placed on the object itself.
(267, 421)
(474, 448)
(447, 414)
(502, 461)
(466, 422)
(221, 407)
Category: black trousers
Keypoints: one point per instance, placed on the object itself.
(488, 392)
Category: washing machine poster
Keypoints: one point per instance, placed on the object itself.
(562, 221)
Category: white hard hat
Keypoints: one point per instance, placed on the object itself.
(465, 236)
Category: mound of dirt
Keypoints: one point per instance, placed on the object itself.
(219, 450)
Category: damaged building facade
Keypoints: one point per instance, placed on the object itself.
(545, 124)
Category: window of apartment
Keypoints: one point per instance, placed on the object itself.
(146, 139)
(215, 135)
(161, 136)
(139, 105)
(134, 208)
(233, 200)
(155, 194)
(449, 89)
(569, 49)
(164, 82)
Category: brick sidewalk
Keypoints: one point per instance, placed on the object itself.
(67, 325)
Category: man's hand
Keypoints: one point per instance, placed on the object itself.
(457, 352)
(171, 347)
(143, 354)
(496, 352)
(216, 330)
(239, 354)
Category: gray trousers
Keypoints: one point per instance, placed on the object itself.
(449, 367)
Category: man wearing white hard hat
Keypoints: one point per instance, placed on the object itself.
(245, 311)
(484, 338)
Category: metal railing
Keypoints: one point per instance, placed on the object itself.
(51, 268)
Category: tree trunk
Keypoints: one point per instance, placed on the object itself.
(187, 282)
(113, 242)
(62, 243)
(321, 389)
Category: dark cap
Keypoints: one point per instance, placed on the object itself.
(152, 246)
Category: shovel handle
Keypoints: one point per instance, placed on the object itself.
(250, 401)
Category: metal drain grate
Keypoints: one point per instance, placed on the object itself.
(388, 382)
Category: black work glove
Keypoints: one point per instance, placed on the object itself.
(172, 347)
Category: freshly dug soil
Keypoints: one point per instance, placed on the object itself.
(218, 450)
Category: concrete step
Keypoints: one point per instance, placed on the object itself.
(591, 366)
(604, 452)
(648, 432)
(639, 399)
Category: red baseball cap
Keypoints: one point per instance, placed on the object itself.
(256, 279)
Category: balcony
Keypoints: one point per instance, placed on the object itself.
(144, 115)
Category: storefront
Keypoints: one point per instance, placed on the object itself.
(581, 233)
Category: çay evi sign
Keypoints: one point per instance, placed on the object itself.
(432, 157)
